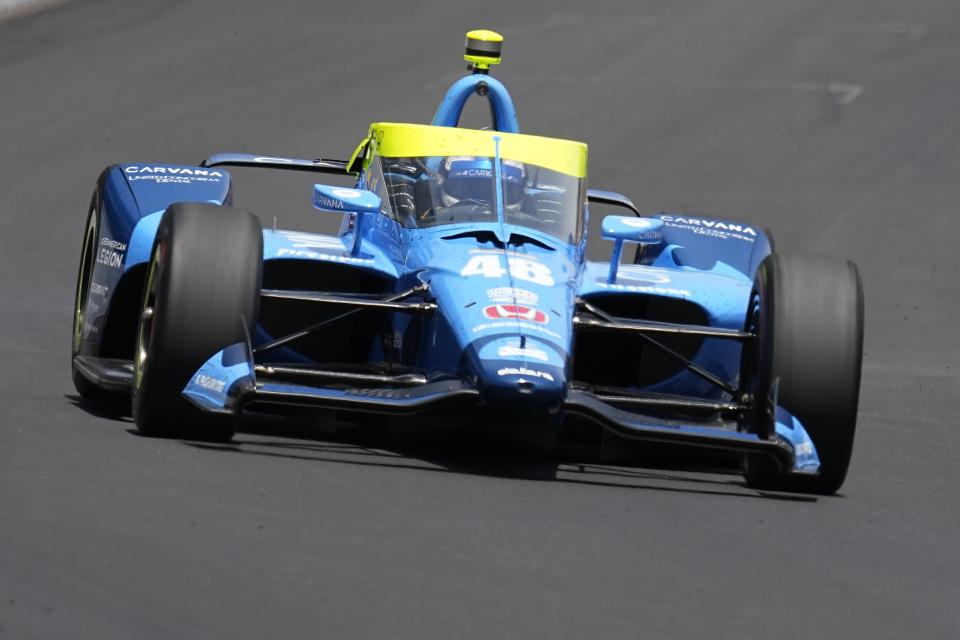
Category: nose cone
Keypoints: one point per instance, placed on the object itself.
(517, 372)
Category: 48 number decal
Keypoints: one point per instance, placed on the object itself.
(490, 266)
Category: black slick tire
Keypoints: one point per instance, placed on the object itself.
(88, 253)
(812, 344)
(201, 294)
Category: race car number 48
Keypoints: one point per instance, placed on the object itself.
(490, 266)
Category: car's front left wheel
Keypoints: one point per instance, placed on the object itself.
(809, 322)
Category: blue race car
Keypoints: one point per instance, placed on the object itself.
(459, 285)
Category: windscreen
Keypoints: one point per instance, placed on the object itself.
(429, 191)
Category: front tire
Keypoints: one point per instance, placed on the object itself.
(201, 294)
(813, 330)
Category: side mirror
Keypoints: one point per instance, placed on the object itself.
(357, 202)
(341, 200)
(619, 228)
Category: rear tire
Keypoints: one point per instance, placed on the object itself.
(814, 326)
(88, 253)
(201, 294)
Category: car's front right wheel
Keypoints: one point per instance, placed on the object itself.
(201, 294)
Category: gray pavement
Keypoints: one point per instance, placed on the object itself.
(835, 124)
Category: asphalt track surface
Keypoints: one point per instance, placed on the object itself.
(834, 123)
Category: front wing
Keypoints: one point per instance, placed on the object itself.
(231, 380)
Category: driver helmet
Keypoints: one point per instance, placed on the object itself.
(471, 179)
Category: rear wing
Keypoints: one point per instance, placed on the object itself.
(612, 197)
(338, 167)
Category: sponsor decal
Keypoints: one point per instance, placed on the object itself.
(110, 258)
(714, 228)
(311, 241)
(324, 202)
(210, 384)
(804, 449)
(523, 371)
(179, 175)
(393, 341)
(516, 351)
(113, 244)
(347, 194)
(513, 311)
(511, 326)
(646, 277)
(303, 253)
(527, 347)
(98, 289)
(111, 252)
(512, 294)
(474, 173)
(171, 179)
(663, 291)
(186, 171)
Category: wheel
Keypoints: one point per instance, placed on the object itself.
(809, 317)
(201, 294)
(88, 254)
